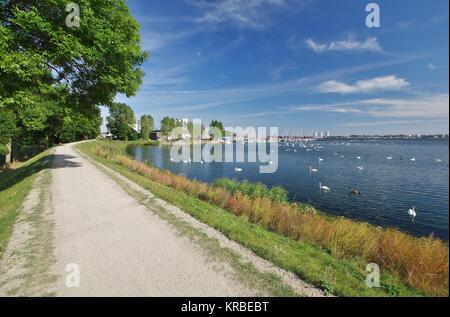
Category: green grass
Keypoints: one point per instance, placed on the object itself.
(14, 188)
(306, 260)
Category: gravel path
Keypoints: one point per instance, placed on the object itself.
(119, 247)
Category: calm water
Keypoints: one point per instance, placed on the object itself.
(388, 187)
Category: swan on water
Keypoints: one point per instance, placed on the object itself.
(358, 157)
(313, 170)
(238, 169)
(360, 167)
(413, 159)
(354, 191)
(323, 187)
(389, 157)
(320, 159)
(412, 213)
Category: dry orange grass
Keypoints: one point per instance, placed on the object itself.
(421, 262)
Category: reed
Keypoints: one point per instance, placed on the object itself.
(420, 262)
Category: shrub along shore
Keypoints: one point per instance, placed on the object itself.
(409, 265)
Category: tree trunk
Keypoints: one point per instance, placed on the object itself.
(8, 156)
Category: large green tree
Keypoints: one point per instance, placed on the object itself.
(219, 125)
(147, 125)
(168, 124)
(47, 66)
(121, 120)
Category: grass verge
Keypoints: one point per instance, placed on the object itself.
(345, 277)
(15, 185)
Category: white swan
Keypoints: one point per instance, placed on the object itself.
(238, 169)
(438, 160)
(320, 159)
(360, 167)
(323, 187)
(358, 157)
(413, 159)
(389, 157)
(313, 170)
(412, 213)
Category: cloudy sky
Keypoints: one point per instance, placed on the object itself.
(297, 64)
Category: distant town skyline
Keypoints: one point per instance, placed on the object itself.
(311, 65)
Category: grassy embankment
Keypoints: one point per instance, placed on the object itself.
(15, 184)
(329, 252)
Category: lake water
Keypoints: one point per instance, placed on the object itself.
(388, 187)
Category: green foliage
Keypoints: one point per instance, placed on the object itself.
(77, 127)
(49, 71)
(168, 124)
(147, 125)
(7, 130)
(218, 125)
(253, 190)
(121, 121)
(278, 193)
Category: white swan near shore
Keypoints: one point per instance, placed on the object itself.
(323, 187)
(238, 169)
(412, 213)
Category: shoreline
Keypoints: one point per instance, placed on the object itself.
(350, 240)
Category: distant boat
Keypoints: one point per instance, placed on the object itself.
(238, 169)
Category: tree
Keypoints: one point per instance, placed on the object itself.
(168, 124)
(147, 125)
(44, 62)
(121, 121)
(218, 125)
(80, 126)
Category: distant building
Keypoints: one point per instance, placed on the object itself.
(156, 135)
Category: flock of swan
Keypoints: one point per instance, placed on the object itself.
(412, 212)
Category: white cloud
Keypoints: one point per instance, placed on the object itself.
(364, 86)
(382, 123)
(427, 106)
(242, 13)
(351, 44)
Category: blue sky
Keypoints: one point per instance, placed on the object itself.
(296, 64)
